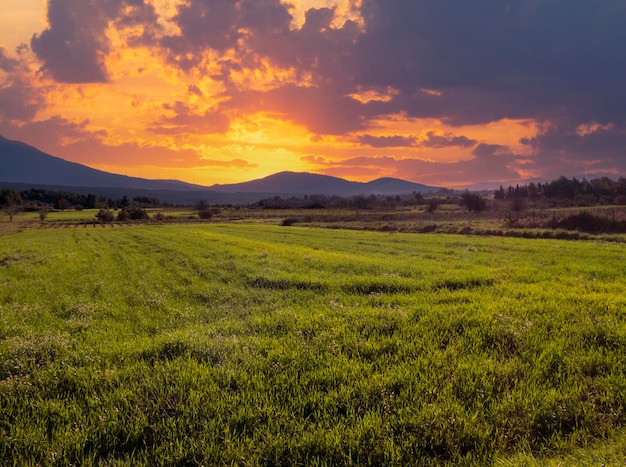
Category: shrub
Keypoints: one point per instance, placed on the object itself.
(432, 205)
(206, 213)
(473, 202)
(585, 221)
(289, 221)
(133, 213)
(105, 216)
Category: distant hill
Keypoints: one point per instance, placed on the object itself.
(21, 163)
(295, 183)
(23, 167)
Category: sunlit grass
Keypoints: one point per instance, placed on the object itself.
(267, 345)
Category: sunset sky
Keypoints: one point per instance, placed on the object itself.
(444, 92)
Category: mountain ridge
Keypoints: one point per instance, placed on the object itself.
(24, 165)
(312, 183)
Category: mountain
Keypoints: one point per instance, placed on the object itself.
(24, 164)
(23, 167)
(301, 183)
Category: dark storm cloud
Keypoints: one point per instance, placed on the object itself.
(261, 28)
(571, 149)
(434, 140)
(205, 24)
(430, 140)
(74, 45)
(20, 99)
(487, 59)
(521, 46)
(246, 26)
(558, 61)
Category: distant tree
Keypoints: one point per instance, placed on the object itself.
(63, 204)
(418, 197)
(133, 213)
(432, 205)
(10, 201)
(146, 201)
(11, 210)
(533, 192)
(123, 215)
(200, 205)
(518, 204)
(499, 194)
(206, 213)
(204, 210)
(8, 197)
(105, 216)
(90, 201)
(43, 213)
(473, 202)
(105, 203)
(361, 202)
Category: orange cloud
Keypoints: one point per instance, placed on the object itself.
(365, 96)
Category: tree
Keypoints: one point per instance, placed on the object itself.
(63, 204)
(432, 205)
(201, 205)
(133, 213)
(499, 194)
(43, 213)
(104, 216)
(473, 202)
(518, 204)
(8, 197)
(203, 209)
(10, 201)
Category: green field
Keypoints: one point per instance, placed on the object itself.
(265, 345)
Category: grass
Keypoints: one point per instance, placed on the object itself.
(266, 345)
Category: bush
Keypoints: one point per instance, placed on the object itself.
(591, 223)
(105, 216)
(432, 205)
(206, 213)
(133, 213)
(473, 202)
(518, 204)
(123, 215)
(289, 221)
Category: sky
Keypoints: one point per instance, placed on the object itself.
(451, 93)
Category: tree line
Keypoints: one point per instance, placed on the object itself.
(41, 200)
(559, 192)
(603, 190)
(70, 200)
